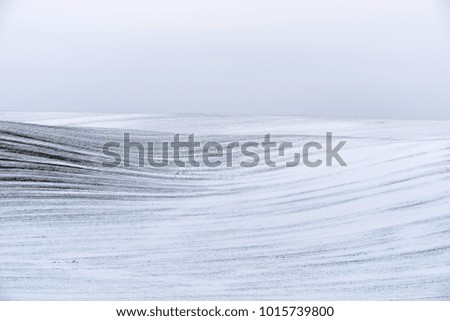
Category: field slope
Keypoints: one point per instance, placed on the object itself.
(71, 229)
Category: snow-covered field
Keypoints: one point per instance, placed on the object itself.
(70, 229)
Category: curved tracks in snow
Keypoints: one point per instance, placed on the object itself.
(377, 229)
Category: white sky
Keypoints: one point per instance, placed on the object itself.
(374, 58)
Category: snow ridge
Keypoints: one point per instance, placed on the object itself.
(71, 229)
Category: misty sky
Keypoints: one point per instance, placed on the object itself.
(372, 58)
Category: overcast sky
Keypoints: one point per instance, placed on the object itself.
(372, 58)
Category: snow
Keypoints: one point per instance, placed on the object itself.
(70, 229)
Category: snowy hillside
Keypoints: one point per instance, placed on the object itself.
(378, 229)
